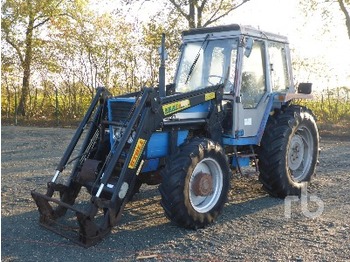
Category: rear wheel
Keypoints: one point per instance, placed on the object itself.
(289, 151)
(195, 184)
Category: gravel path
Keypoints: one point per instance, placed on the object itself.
(253, 227)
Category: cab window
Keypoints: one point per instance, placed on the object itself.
(253, 85)
(278, 66)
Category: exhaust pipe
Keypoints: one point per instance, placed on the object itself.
(163, 57)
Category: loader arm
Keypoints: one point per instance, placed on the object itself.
(147, 117)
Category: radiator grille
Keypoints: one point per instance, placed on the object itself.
(118, 110)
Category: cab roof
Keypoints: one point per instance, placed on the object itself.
(231, 31)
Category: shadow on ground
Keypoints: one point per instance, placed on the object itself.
(142, 227)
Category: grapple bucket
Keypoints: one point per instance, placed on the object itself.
(83, 220)
(83, 224)
(87, 217)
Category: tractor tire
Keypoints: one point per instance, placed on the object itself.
(195, 183)
(288, 151)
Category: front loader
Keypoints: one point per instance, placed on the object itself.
(229, 107)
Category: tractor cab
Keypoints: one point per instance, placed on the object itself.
(252, 65)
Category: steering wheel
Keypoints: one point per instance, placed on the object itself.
(222, 79)
(211, 83)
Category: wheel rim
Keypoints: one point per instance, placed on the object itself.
(205, 185)
(300, 153)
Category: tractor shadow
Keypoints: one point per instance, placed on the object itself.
(145, 225)
(143, 228)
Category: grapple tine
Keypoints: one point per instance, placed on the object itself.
(89, 232)
(45, 209)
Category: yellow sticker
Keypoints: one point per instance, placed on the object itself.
(137, 153)
(176, 106)
(209, 96)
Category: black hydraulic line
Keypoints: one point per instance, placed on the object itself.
(79, 131)
(87, 141)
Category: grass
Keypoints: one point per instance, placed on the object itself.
(331, 108)
(332, 111)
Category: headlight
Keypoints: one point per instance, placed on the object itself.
(132, 137)
(118, 133)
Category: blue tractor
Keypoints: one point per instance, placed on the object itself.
(229, 107)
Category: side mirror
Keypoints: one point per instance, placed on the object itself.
(248, 46)
(305, 88)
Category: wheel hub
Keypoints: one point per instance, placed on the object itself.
(202, 184)
(296, 152)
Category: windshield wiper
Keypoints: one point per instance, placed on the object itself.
(197, 57)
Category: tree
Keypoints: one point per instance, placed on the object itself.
(345, 8)
(196, 13)
(23, 27)
(327, 9)
(174, 17)
(9, 85)
(206, 12)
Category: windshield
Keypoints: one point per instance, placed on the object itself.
(205, 64)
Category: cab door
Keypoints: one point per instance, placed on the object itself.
(253, 93)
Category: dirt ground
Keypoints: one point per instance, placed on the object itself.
(253, 226)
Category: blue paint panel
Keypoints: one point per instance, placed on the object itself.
(158, 145)
(150, 165)
(242, 161)
(242, 141)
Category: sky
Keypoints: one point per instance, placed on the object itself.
(329, 51)
(306, 37)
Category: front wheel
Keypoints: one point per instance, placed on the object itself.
(289, 151)
(195, 184)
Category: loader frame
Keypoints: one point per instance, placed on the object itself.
(146, 117)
